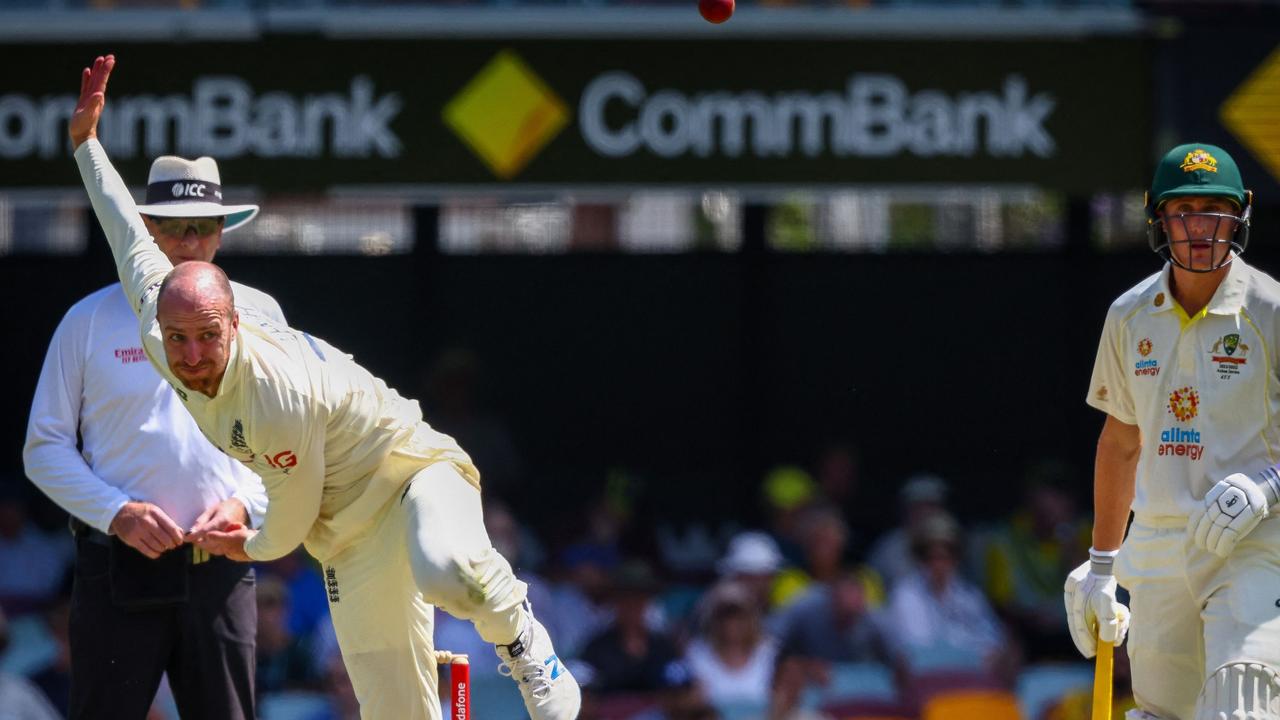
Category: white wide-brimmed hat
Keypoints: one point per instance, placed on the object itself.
(752, 553)
(177, 187)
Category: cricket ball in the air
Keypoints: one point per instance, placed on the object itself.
(716, 11)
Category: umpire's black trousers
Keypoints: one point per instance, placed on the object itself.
(205, 643)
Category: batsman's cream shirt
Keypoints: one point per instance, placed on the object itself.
(105, 429)
(333, 444)
(1202, 390)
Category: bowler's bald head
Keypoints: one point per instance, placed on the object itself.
(195, 286)
(198, 321)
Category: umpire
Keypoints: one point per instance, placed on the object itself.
(110, 443)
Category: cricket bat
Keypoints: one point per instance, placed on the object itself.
(1102, 681)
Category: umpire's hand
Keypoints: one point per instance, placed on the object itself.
(146, 528)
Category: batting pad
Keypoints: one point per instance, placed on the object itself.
(1240, 691)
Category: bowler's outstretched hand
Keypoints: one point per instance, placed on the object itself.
(93, 96)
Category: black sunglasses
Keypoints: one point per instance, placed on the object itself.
(178, 226)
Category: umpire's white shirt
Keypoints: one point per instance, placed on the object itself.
(1202, 390)
(138, 442)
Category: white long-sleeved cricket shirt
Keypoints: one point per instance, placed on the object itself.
(333, 444)
(136, 442)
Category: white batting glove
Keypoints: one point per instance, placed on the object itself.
(1231, 509)
(1092, 609)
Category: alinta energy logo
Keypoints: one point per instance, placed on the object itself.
(1147, 366)
(506, 114)
(1184, 404)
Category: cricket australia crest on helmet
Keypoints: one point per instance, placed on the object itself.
(1199, 159)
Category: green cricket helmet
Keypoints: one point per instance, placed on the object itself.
(1202, 170)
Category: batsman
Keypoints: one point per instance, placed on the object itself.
(1188, 373)
(390, 507)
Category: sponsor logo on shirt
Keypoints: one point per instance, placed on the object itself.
(282, 460)
(331, 583)
(127, 356)
(1180, 442)
(1184, 404)
(1229, 353)
(1147, 367)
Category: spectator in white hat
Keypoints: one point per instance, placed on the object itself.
(754, 560)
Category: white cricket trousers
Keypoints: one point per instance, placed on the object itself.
(429, 549)
(1194, 613)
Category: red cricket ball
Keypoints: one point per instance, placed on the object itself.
(716, 11)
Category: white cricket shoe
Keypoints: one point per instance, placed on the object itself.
(550, 692)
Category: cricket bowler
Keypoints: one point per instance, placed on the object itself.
(1187, 374)
(390, 507)
(106, 439)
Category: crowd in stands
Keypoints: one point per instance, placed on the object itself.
(828, 608)
(789, 621)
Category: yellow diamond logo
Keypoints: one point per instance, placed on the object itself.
(1252, 113)
(506, 114)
